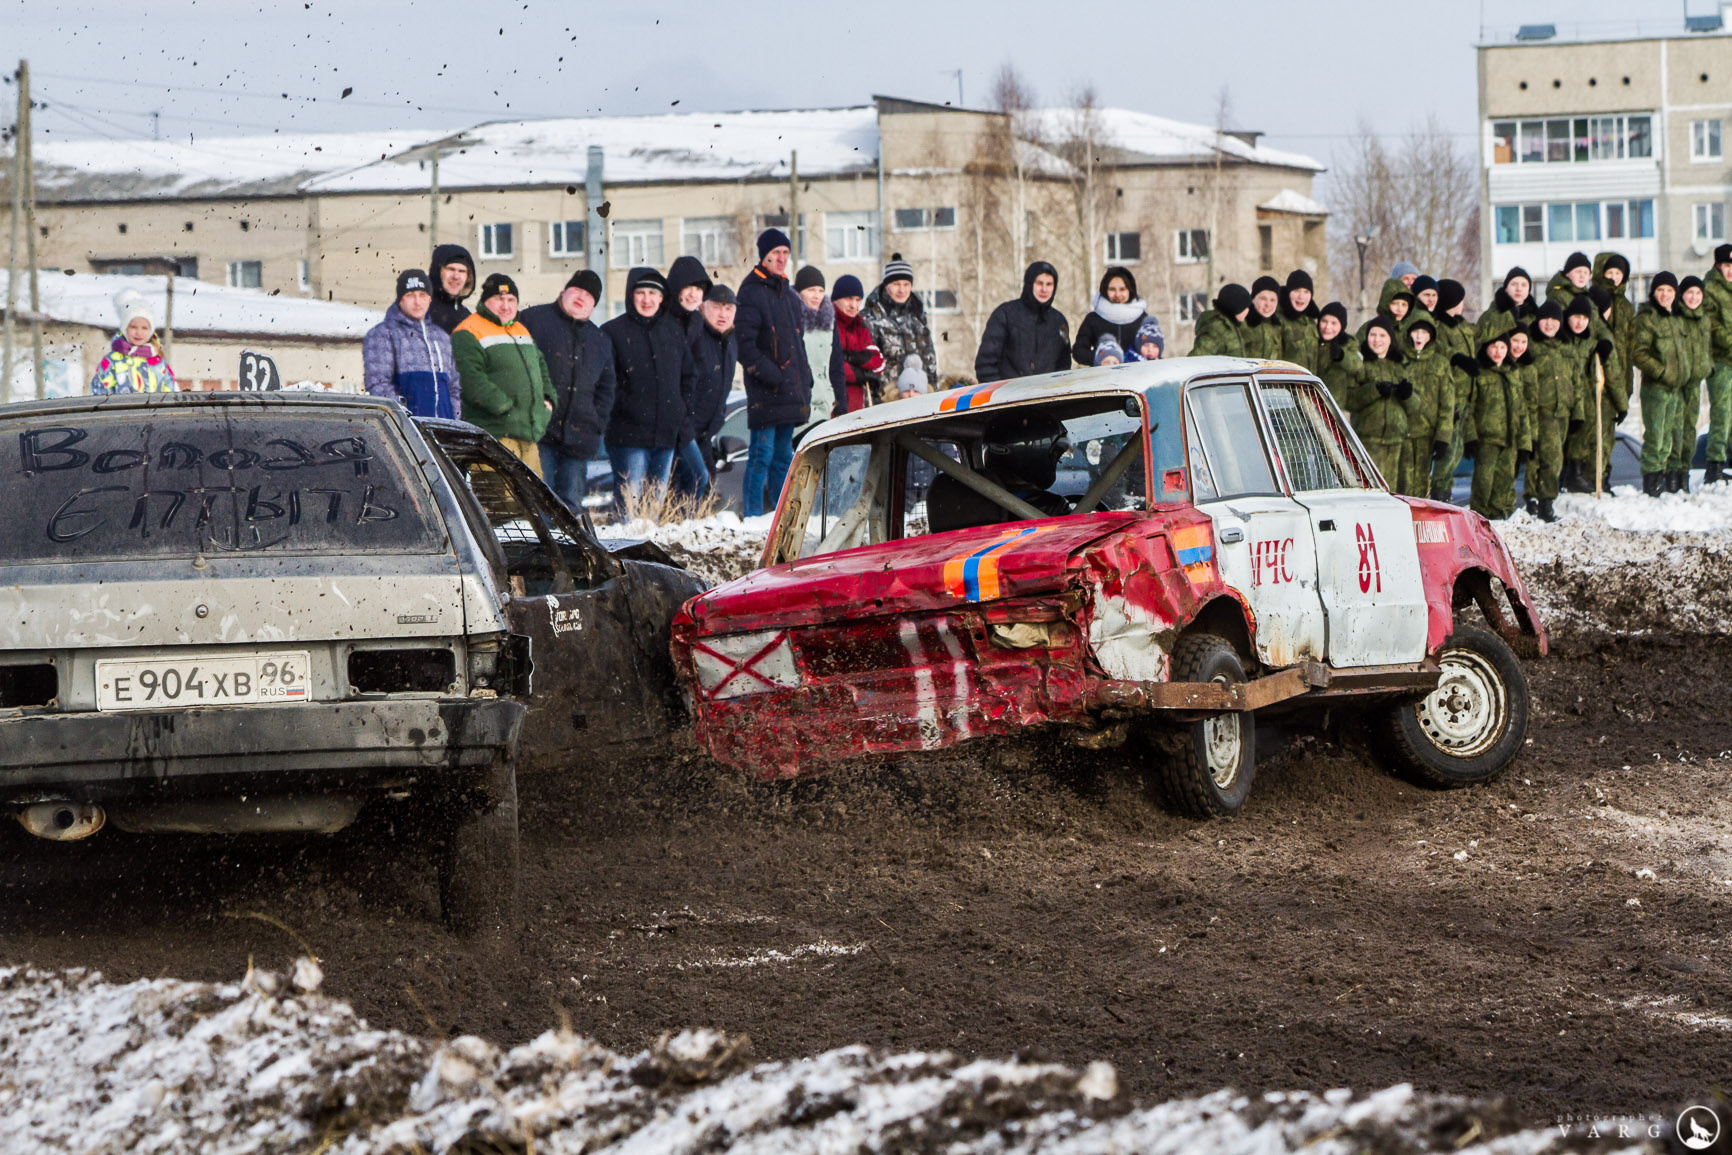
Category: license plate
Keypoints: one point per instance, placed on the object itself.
(155, 684)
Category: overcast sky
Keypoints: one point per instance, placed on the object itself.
(1304, 73)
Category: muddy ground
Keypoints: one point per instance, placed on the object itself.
(1558, 937)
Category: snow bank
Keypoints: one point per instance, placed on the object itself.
(261, 1066)
(200, 307)
(717, 549)
(1629, 563)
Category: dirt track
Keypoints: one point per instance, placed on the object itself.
(1332, 936)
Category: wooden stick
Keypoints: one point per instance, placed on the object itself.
(1599, 428)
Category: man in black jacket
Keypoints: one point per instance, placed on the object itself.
(715, 354)
(580, 361)
(453, 273)
(778, 379)
(1028, 335)
(656, 377)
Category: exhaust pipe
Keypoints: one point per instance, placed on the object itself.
(62, 821)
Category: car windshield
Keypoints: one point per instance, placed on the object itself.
(110, 486)
(1074, 456)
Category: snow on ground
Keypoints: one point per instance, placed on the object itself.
(717, 549)
(264, 1066)
(1629, 563)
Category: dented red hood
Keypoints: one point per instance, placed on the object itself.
(937, 571)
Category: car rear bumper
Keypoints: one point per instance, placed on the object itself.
(359, 745)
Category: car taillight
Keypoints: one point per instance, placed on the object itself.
(732, 665)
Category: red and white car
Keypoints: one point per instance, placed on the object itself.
(1145, 554)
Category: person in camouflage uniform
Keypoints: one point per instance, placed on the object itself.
(1596, 353)
(1220, 330)
(1612, 274)
(1378, 400)
(1574, 283)
(1663, 357)
(1694, 323)
(1554, 407)
(1455, 335)
(1718, 291)
(1262, 333)
(1339, 363)
(1298, 318)
(1511, 305)
(1497, 435)
(1396, 304)
(1430, 408)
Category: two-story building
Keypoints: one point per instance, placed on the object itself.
(1598, 142)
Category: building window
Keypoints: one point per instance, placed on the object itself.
(938, 300)
(1125, 248)
(246, 274)
(1705, 140)
(851, 236)
(1572, 223)
(187, 267)
(1266, 247)
(567, 238)
(710, 239)
(497, 243)
(1191, 245)
(303, 276)
(1571, 140)
(1630, 220)
(922, 220)
(636, 243)
(1190, 306)
(1711, 222)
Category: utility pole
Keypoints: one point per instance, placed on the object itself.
(794, 205)
(433, 212)
(16, 220)
(168, 323)
(30, 225)
(595, 223)
(156, 126)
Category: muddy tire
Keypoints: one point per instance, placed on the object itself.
(1208, 770)
(1472, 726)
(478, 863)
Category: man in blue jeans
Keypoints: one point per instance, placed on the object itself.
(580, 362)
(656, 378)
(773, 360)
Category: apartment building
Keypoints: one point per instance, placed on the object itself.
(964, 195)
(1607, 137)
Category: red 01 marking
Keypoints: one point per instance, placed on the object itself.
(1370, 573)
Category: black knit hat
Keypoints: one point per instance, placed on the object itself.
(1664, 277)
(1723, 254)
(1300, 279)
(497, 283)
(1423, 282)
(588, 280)
(1450, 294)
(1577, 260)
(1337, 310)
(1265, 285)
(1583, 304)
(847, 285)
(772, 239)
(644, 277)
(1602, 298)
(897, 269)
(412, 281)
(1232, 300)
(1550, 311)
(1517, 271)
(1619, 262)
(808, 278)
(1691, 282)
(1386, 324)
(1425, 323)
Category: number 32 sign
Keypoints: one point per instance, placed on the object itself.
(259, 373)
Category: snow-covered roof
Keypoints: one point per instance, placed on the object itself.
(199, 307)
(687, 146)
(1291, 201)
(1160, 139)
(217, 166)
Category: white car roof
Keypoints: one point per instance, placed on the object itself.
(1137, 377)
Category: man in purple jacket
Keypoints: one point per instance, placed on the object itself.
(408, 357)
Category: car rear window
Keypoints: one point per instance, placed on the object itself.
(110, 486)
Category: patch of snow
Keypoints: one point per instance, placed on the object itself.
(717, 548)
(823, 948)
(1292, 201)
(199, 307)
(1158, 136)
(226, 1069)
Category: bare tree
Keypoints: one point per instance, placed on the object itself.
(1014, 98)
(1080, 140)
(1416, 200)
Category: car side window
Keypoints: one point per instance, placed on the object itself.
(1310, 443)
(1226, 446)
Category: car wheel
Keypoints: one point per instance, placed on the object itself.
(1472, 725)
(478, 862)
(1208, 772)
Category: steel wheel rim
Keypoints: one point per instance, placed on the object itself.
(1223, 744)
(1468, 712)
